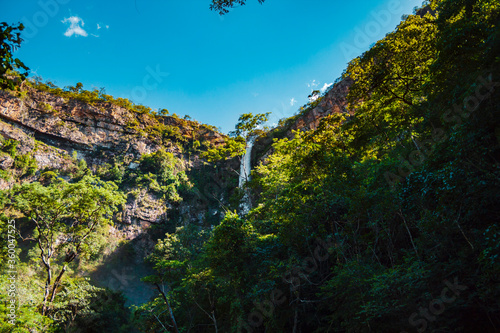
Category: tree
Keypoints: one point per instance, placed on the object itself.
(221, 6)
(248, 124)
(66, 218)
(235, 145)
(175, 259)
(163, 112)
(389, 84)
(314, 95)
(78, 88)
(10, 41)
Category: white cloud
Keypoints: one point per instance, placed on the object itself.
(75, 28)
(313, 84)
(293, 101)
(107, 27)
(326, 86)
(98, 26)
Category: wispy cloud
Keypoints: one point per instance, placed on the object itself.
(100, 26)
(313, 84)
(75, 28)
(326, 86)
(293, 101)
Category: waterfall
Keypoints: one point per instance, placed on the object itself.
(245, 166)
(245, 169)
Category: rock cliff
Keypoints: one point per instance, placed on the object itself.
(63, 136)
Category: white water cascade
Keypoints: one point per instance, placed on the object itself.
(245, 169)
(245, 166)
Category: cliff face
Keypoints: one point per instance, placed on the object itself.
(63, 134)
(73, 125)
(52, 128)
(334, 101)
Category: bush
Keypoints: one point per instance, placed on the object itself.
(27, 164)
(9, 146)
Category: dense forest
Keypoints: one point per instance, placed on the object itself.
(384, 218)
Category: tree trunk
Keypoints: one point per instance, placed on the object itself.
(48, 282)
(168, 306)
(56, 284)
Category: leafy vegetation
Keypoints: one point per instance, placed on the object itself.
(10, 37)
(162, 173)
(66, 216)
(365, 224)
(249, 125)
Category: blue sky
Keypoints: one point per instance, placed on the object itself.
(179, 55)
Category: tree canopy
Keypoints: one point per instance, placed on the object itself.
(66, 217)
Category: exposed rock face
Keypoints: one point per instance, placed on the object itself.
(334, 101)
(68, 124)
(53, 128)
(142, 207)
(6, 162)
(74, 125)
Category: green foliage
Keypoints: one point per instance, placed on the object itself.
(232, 147)
(83, 307)
(9, 146)
(221, 6)
(230, 247)
(346, 248)
(248, 124)
(161, 173)
(26, 163)
(114, 173)
(66, 218)
(10, 41)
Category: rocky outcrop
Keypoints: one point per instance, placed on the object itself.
(74, 125)
(334, 101)
(54, 130)
(143, 207)
(6, 162)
